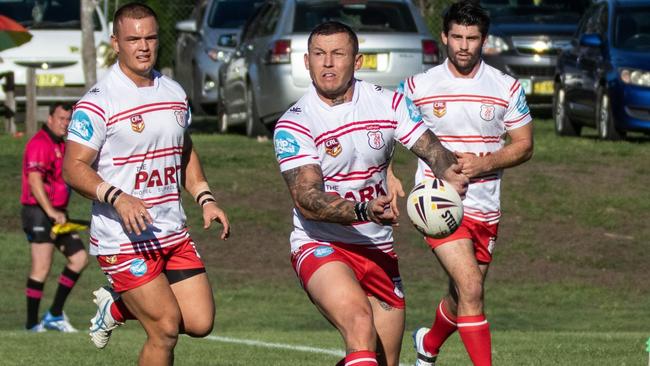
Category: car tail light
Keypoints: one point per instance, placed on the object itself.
(280, 52)
(429, 51)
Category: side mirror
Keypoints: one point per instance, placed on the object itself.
(227, 40)
(591, 40)
(188, 26)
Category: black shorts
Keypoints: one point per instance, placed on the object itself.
(37, 226)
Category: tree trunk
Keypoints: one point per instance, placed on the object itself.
(88, 52)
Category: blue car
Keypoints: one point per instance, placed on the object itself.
(603, 78)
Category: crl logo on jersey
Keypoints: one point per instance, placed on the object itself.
(138, 267)
(286, 145)
(81, 125)
(137, 123)
(439, 109)
(333, 146)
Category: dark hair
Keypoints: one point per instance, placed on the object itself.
(63, 105)
(132, 11)
(467, 13)
(331, 27)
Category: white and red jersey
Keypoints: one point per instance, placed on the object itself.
(470, 115)
(138, 134)
(353, 144)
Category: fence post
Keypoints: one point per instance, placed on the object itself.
(10, 102)
(30, 103)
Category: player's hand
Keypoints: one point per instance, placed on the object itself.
(380, 212)
(58, 217)
(473, 165)
(212, 212)
(454, 176)
(395, 189)
(133, 213)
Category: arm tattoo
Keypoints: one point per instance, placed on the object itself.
(385, 306)
(429, 149)
(306, 187)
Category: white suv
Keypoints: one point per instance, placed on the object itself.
(54, 50)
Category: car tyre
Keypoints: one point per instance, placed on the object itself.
(196, 92)
(254, 126)
(604, 118)
(563, 124)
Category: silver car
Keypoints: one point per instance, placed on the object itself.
(204, 42)
(266, 74)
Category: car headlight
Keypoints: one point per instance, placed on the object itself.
(106, 56)
(635, 76)
(494, 45)
(218, 55)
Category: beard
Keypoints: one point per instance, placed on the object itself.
(464, 67)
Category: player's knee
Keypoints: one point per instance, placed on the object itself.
(165, 334)
(359, 325)
(200, 328)
(471, 292)
(78, 261)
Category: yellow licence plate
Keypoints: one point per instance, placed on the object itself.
(543, 87)
(49, 80)
(369, 61)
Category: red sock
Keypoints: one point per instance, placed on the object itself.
(443, 326)
(361, 358)
(475, 333)
(120, 312)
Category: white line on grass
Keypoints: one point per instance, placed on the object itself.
(252, 342)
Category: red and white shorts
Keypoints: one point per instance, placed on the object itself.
(128, 271)
(376, 271)
(482, 234)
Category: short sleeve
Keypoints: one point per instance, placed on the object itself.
(37, 157)
(518, 113)
(88, 125)
(294, 145)
(410, 125)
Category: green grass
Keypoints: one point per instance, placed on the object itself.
(566, 288)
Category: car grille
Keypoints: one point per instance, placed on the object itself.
(545, 71)
(539, 45)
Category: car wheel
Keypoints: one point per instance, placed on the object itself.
(604, 118)
(222, 118)
(563, 125)
(254, 126)
(196, 92)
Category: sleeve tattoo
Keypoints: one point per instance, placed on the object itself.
(429, 149)
(305, 184)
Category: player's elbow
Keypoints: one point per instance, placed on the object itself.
(306, 213)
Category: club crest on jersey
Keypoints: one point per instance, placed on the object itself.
(376, 140)
(487, 112)
(439, 109)
(137, 123)
(333, 146)
(181, 117)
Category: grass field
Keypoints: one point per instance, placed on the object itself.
(568, 285)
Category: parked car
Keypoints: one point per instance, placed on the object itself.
(54, 50)
(204, 42)
(267, 74)
(603, 80)
(525, 37)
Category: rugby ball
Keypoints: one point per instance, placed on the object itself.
(435, 208)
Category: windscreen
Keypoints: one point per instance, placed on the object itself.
(45, 14)
(632, 28)
(501, 8)
(362, 16)
(231, 13)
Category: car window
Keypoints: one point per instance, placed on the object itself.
(253, 22)
(371, 16)
(539, 7)
(632, 28)
(269, 21)
(231, 13)
(602, 21)
(46, 14)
